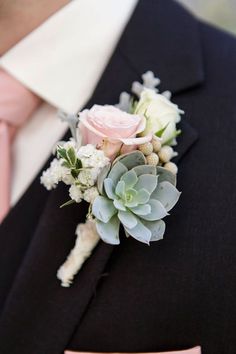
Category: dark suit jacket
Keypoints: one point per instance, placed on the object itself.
(177, 293)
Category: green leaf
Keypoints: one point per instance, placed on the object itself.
(71, 201)
(127, 219)
(132, 159)
(148, 182)
(109, 232)
(175, 135)
(103, 209)
(133, 105)
(157, 229)
(178, 133)
(160, 132)
(142, 209)
(78, 164)
(145, 114)
(165, 175)
(120, 189)
(118, 204)
(116, 172)
(71, 155)
(74, 173)
(140, 232)
(109, 188)
(62, 153)
(167, 194)
(101, 177)
(131, 198)
(142, 197)
(66, 164)
(129, 178)
(144, 169)
(157, 211)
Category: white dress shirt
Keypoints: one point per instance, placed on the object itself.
(61, 61)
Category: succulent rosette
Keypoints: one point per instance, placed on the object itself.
(136, 195)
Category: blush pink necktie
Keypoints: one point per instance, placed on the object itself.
(17, 104)
(195, 350)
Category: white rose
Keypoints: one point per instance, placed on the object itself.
(160, 112)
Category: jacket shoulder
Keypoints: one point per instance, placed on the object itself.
(219, 47)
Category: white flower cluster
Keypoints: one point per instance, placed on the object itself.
(55, 174)
(149, 82)
(88, 177)
(69, 144)
(84, 186)
(90, 194)
(66, 145)
(92, 157)
(77, 193)
(93, 160)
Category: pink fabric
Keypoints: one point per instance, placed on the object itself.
(17, 104)
(195, 350)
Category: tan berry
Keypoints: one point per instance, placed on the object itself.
(156, 145)
(152, 159)
(166, 153)
(171, 166)
(146, 148)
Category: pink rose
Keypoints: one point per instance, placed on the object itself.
(112, 129)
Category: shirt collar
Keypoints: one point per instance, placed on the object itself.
(62, 60)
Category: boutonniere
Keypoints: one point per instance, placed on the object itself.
(119, 161)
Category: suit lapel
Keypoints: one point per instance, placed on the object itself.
(164, 38)
(39, 315)
(166, 41)
(37, 308)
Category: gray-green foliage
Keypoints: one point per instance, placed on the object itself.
(72, 120)
(136, 195)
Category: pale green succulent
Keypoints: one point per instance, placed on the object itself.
(136, 195)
